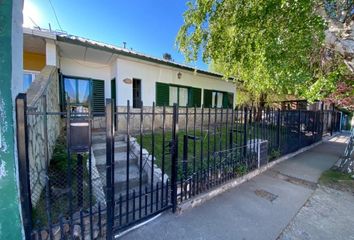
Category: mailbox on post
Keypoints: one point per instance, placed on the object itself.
(79, 144)
(79, 136)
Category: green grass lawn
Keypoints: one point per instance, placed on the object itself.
(337, 180)
(203, 148)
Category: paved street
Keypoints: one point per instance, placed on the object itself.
(258, 209)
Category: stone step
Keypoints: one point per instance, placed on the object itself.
(100, 148)
(120, 160)
(101, 138)
(120, 177)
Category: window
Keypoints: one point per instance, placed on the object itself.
(80, 94)
(218, 99)
(136, 93)
(178, 95)
(28, 78)
(168, 94)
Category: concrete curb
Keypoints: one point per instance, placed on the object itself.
(200, 199)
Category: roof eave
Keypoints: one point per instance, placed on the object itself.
(134, 55)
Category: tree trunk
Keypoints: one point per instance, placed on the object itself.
(261, 105)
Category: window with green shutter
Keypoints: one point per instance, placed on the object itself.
(82, 94)
(167, 94)
(98, 96)
(218, 99)
(230, 100)
(162, 94)
(194, 97)
(208, 95)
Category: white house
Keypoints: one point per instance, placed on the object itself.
(91, 71)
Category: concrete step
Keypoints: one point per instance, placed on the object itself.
(100, 148)
(120, 177)
(120, 159)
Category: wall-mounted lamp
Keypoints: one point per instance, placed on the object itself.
(179, 75)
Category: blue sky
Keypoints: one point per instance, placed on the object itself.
(148, 26)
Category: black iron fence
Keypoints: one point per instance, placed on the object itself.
(86, 183)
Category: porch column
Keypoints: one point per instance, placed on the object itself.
(51, 53)
(10, 76)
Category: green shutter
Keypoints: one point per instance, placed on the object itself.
(61, 93)
(162, 94)
(98, 96)
(194, 97)
(231, 99)
(227, 100)
(207, 98)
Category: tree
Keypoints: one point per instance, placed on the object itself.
(268, 46)
(167, 56)
(340, 45)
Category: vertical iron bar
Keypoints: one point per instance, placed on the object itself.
(278, 129)
(133, 205)
(120, 209)
(194, 148)
(208, 151)
(141, 128)
(163, 152)
(152, 155)
(157, 196)
(128, 165)
(23, 163)
(90, 170)
(299, 129)
(99, 220)
(174, 158)
(109, 170)
(245, 132)
(213, 177)
(201, 142)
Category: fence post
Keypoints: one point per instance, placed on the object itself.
(174, 157)
(23, 163)
(332, 119)
(109, 169)
(321, 121)
(299, 129)
(278, 129)
(245, 132)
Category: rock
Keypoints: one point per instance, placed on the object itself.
(77, 232)
(44, 235)
(95, 233)
(145, 152)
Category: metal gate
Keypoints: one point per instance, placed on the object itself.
(139, 187)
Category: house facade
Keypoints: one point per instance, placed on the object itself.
(89, 72)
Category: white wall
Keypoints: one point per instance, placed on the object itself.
(86, 69)
(150, 73)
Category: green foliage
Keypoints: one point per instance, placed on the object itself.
(275, 153)
(241, 170)
(269, 46)
(59, 162)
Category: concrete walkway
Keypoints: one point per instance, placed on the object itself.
(258, 209)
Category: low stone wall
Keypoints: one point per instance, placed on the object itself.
(46, 85)
(146, 162)
(194, 117)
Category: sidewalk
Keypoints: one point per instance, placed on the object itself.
(258, 209)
